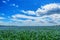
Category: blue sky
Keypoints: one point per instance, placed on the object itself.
(30, 12)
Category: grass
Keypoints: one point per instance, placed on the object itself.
(39, 34)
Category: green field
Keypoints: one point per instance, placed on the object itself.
(35, 33)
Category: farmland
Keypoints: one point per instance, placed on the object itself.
(31, 33)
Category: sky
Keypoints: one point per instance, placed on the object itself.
(30, 12)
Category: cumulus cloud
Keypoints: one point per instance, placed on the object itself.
(49, 9)
(22, 16)
(44, 19)
(46, 15)
(29, 12)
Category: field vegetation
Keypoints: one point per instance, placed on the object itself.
(31, 34)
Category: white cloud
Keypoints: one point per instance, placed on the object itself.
(29, 12)
(4, 1)
(46, 15)
(44, 10)
(51, 6)
(14, 5)
(36, 19)
(2, 18)
(22, 16)
(48, 9)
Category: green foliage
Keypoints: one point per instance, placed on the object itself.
(29, 35)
